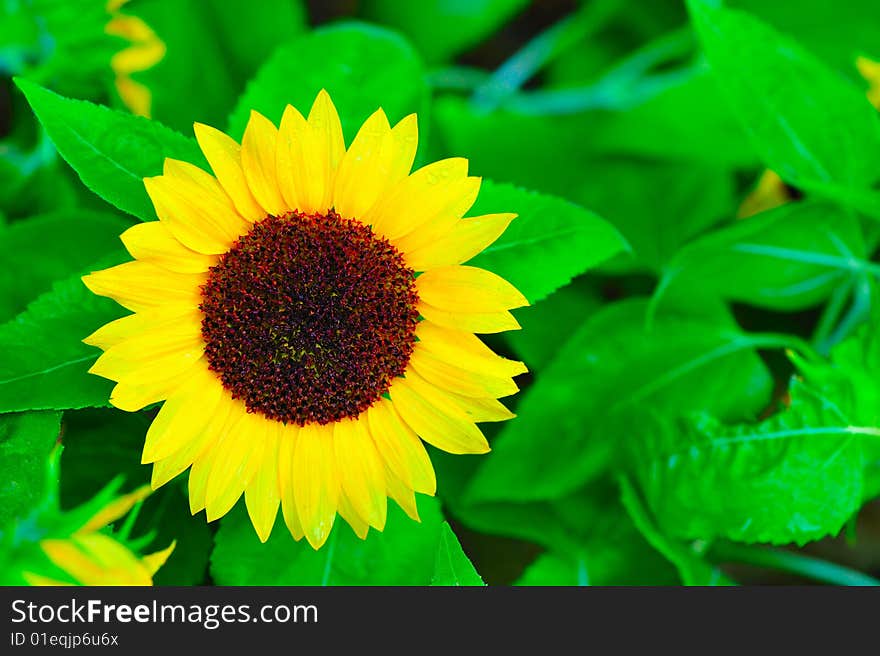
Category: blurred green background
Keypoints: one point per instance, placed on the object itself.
(665, 435)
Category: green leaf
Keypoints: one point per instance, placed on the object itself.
(362, 67)
(25, 442)
(441, 29)
(452, 566)
(852, 379)
(836, 32)
(404, 554)
(657, 206)
(111, 151)
(40, 250)
(686, 121)
(548, 244)
(45, 364)
(589, 399)
(788, 258)
(810, 125)
(691, 566)
(588, 529)
(795, 477)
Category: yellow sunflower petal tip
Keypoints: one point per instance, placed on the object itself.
(239, 396)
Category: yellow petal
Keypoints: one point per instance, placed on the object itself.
(43, 581)
(96, 559)
(309, 152)
(287, 438)
(263, 494)
(870, 70)
(434, 417)
(479, 410)
(403, 145)
(156, 559)
(132, 397)
(474, 322)
(315, 481)
(111, 334)
(438, 188)
(400, 448)
(115, 509)
(134, 95)
(290, 158)
(239, 456)
(195, 447)
(163, 351)
(360, 470)
(326, 148)
(201, 471)
(348, 513)
(402, 495)
(224, 155)
(467, 289)
(152, 242)
(431, 228)
(194, 207)
(364, 170)
(143, 286)
(467, 238)
(183, 415)
(455, 379)
(465, 350)
(258, 161)
(770, 192)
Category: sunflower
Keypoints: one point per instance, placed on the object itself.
(85, 556)
(306, 317)
(145, 51)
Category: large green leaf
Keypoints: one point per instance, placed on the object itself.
(452, 566)
(548, 244)
(837, 32)
(587, 402)
(852, 379)
(792, 478)
(25, 442)
(441, 29)
(810, 125)
(45, 364)
(362, 67)
(788, 258)
(588, 529)
(657, 206)
(40, 250)
(404, 554)
(111, 151)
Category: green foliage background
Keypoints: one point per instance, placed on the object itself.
(703, 402)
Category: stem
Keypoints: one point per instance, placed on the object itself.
(830, 317)
(860, 308)
(541, 50)
(457, 78)
(795, 563)
(784, 341)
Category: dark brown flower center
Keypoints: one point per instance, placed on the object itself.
(308, 318)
